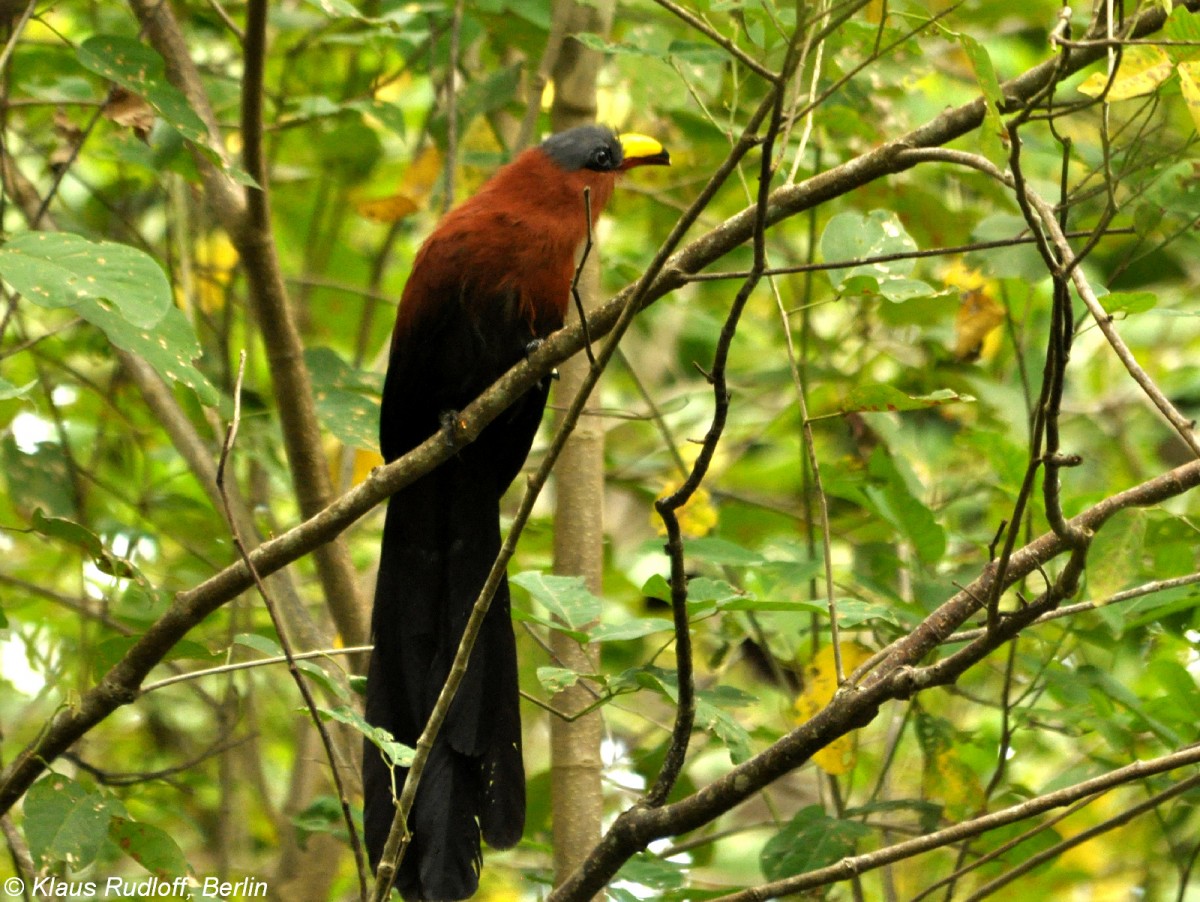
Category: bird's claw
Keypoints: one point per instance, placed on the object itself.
(533, 345)
(453, 427)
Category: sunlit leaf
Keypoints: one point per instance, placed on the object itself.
(1142, 70)
(853, 238)
(87, 541)
(398, 754)
(1189, 85)
(170, 347)
(565, 597)
(820, 685)
(58, 269)
(556, 679)
(139, 69)
(346, 398)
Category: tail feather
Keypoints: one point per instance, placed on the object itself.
(441, 536)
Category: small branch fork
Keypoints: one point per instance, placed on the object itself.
(1064, 264)
(284, 642)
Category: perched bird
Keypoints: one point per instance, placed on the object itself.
(493, 279)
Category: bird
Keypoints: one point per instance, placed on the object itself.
(490, 282)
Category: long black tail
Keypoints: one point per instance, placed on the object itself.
(440, 538)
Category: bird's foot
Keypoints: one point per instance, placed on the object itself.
(532, 346)
(454, 428)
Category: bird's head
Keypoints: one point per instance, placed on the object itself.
(600, 149)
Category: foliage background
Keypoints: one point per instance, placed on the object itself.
(920, 377)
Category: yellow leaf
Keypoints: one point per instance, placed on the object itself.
(423, 173)
(387, 209)
(364, 463)
(416, 185)
(966, 278)
(1189, 85)
(979, 317)
(820, 685)
(215, 260)
(697, 517)
(1142, 70)
(948, 779)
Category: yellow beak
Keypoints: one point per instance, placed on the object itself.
(642, 150)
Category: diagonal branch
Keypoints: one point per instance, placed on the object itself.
(1086, 789)
(853, 707)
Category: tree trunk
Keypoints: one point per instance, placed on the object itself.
(575, 766)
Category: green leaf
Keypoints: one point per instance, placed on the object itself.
(992, 128)
(337, 8)
(657, 586)
(152, 848)
(169, 348)
(633, 628)
(703, 590)
(398, 754)
(600, 45)
(40, 478)
(722, 552)
(65, 822)
(138, 68)
(852, 236)
(1129, 302)
(321, 677)
(9, 392)
(323, 815)
(73, 534)
(810, 840)
(565, 597)
(263, 644)
(648, 870)
(711, 715)
(107, 653)
(59, 269)
(879, 397)
(345, 398)
(556, 679)
(1114, 560)
(852, 612)
(697, 52)
(889, 495)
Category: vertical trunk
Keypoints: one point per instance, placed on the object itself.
(575, 767)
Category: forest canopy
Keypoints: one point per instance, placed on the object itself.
(891, 396)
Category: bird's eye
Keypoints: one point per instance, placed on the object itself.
(602, 158)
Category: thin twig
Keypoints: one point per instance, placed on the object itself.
(858, 864)
(249, 665)
(281, 633)
(951, 250)
(717, 38)
(1185, 427)
(1081, 837)
(583, 257)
